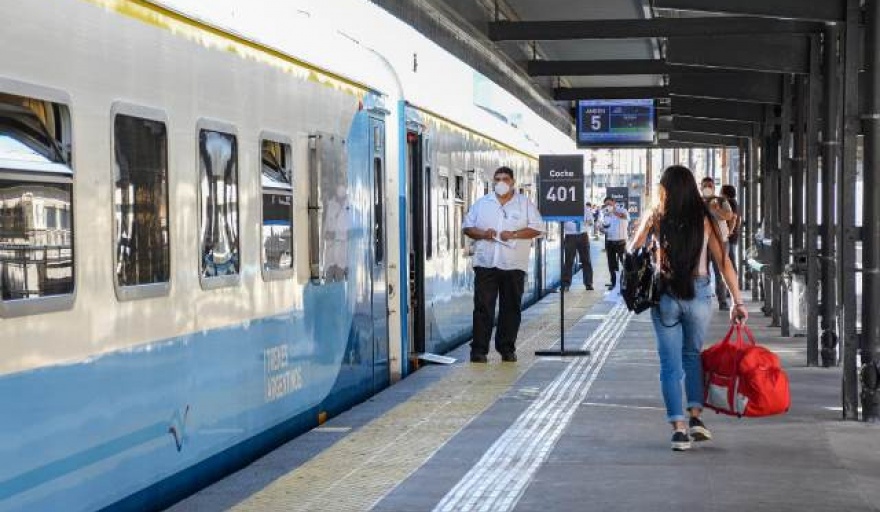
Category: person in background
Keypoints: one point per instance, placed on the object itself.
(721, 213)
(686, 236)
(615, 225)
(729, 193)
(503, 223)
(577, 240)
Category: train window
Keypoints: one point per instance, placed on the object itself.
(443, 228)
(277, 225)
(429, 215)
(36, 206)
(379, 209)
(443, 216)
(218, 186)
(329, 209)
(459, 188)
(459, 216)
(142, 247)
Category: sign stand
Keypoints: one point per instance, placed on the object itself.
(561, 176)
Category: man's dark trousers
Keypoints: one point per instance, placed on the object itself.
(489, 284)
(614, 249)
(580, 244)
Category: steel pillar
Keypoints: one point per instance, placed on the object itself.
(830, 159)
(783, 195)
(812, 202)
(870, 371)
(770, 215)
(847, 234)
(752, 219)
(798, 164)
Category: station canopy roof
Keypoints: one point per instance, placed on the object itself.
(712, 65)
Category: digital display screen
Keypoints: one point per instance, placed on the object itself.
(615, 122)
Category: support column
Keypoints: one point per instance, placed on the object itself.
(847, 234)
(743, 184)
(769, 213)
(752, 220)
(798, 162)
(870, 225)
(783, 196)
(812, 202)
(830, 159)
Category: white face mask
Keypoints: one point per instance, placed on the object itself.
(708, 192)
(501, 188)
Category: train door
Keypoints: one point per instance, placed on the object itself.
(417, 237)
(381, 360)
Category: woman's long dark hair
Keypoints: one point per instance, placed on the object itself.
(680, 230)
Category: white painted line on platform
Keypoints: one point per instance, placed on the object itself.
(498, 480)
(623, 406)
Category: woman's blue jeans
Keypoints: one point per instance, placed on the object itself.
(681, 327)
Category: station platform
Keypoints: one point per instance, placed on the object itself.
(553, 434)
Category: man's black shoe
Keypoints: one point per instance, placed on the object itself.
(565, 288)
(509, 358)
(588, 286)
(610, 285)
(479, 358)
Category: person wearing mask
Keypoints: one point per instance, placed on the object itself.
(502, 223)
(686, 236)
(721, 213)
(577, 240)
(729, 193)
(615, 224)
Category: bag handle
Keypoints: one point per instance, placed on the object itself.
(729, 334)
(743, 328)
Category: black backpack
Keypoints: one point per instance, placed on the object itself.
(639, 283)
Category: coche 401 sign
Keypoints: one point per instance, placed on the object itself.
(560, 178)
(561, 193)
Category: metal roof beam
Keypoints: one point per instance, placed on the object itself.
(818, 10)
(640, 28)
(598, 67)
(702, 138)
(718, 109)
(609, 93)
(713, 126)
(739, 86)
(779, 53)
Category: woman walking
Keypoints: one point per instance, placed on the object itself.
(686, 237)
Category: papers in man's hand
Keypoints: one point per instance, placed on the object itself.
(509, 244)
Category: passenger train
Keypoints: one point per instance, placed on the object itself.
(212, 237)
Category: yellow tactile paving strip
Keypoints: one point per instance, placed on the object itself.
(356, 472)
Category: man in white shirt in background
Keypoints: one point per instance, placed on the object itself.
(577, 240)
(503, 223)
(615, 224)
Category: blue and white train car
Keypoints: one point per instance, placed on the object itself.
(210, 234)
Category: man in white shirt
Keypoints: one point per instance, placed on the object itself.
(577, 240)
(615, 224)
(503, 223)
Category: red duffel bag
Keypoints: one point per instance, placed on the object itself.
(742, 378)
